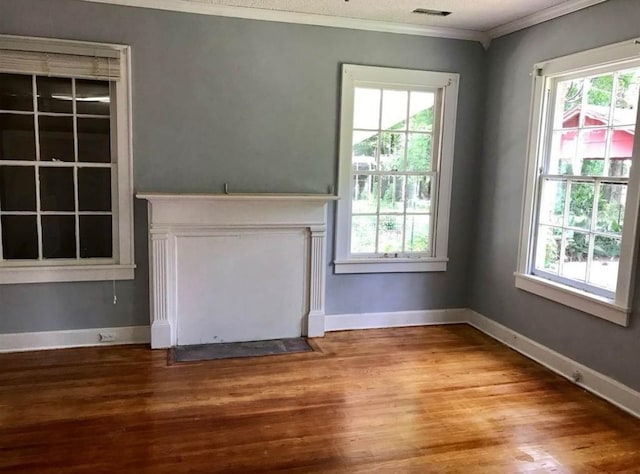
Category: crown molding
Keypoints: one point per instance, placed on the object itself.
(261, 14)
(188, 6)
(547, 14)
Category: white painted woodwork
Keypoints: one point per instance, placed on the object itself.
(480, 20)
(394, 319)
(80, 59)
(160, 265)
(64, 339)
(445, 88)
(236, 267)
(616, 309)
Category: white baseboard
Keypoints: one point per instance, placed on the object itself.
(599, 384)
(344, 322)
(34, 341)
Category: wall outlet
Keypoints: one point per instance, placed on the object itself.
(107, 336)
(576, 376)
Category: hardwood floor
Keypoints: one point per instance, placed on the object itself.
(406, 400)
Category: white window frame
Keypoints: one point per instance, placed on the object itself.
(447, 85)
(76, 55)
(618, 308)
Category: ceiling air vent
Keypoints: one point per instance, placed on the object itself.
(425, 11)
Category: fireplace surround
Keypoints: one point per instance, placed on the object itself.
(236, 267)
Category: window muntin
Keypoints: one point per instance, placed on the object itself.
(66, 192)
(393, 171)
(574, 148)
(55, 169)
(584, 178)
(396, 160)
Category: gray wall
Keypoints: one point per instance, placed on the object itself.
(601, 345)
(254, 104)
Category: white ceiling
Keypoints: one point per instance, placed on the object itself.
(470, 19)
(479, 15)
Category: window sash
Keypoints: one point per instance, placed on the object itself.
(551, 110)
(107, 57)
(621, 56)
(403, 213)
(445, 85)
(434, 163)
(592, 231)
(38, 164)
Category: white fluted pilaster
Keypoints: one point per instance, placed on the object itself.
(315, 326)
(159, 262)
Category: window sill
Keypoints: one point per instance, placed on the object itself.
(60, 273)
(581, 300)
(396, 265)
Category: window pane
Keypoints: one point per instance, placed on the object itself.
(599, 92)
(421, 111)
(56, 138)
(390, 234)
(574, 265)
(419, 152)
(59, 236)
(365, 194)
(16, 92)
(604, 268)
(416, 237)
(620, 151)
(19, 237)
(418, 194)
(17, 188)
(625, 111)
(394, 109)
(552, 201)
(611, 202)
(363, 234)
(92, 97)
(94, 141)
(591, 152)
(94, 189)
(365, 148)
(548, 249)
(591, 135)
(54, 94)
(57, 189)
(581, 205)
(392, 147)
(95, 236)
(564, 148)
(366, 108)
(18, 137)
(569, 101)
(392, 193)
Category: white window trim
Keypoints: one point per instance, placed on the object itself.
(618, 309)
(344, 261)
(121, 266)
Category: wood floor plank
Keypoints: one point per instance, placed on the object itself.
(403, 400)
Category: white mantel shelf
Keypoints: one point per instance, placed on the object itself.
(237, 197)
(193, 236)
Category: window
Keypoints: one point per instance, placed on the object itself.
(581, 204)
(396, 159)
(65, 179)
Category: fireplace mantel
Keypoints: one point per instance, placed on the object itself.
(178, 223)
